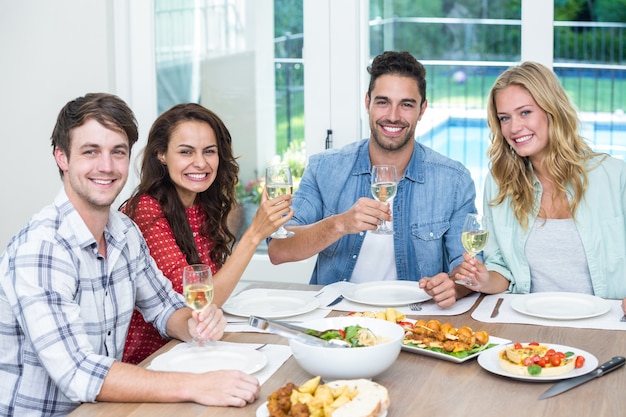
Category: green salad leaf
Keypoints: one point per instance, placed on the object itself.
(462, 354)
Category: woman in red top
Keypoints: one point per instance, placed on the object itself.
(181, 205)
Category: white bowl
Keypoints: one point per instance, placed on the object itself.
(349, 363)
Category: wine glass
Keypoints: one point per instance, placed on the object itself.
(384, 188)
(278, 181)
(474, 239)
(198, 289)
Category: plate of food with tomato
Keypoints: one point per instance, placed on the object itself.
(538, 362)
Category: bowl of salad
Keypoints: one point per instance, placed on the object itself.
(375, 345)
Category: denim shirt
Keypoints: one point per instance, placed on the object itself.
(434, 196)
(600, 219)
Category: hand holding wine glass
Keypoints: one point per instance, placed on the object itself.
(384, 189)
(474, 239)
(278, 181)
(198, 289)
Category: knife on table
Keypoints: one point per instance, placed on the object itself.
(565, 385)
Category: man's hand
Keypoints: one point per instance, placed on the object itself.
(365, 214)
(441, 288)
(208, 325)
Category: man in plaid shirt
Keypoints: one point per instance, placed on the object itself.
(70, 279)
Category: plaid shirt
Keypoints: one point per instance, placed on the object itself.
(65, 309)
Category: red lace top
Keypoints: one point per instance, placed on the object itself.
(143, 339)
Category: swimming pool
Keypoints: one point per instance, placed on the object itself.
(467, 139)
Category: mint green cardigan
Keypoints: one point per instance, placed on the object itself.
(600, 220)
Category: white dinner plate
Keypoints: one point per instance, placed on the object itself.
(560, 305)
(270, 304)
(438, 355)
(385, 293)
(199, 359)
(262, 411)
(489, 361)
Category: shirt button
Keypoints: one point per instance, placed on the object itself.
(361, 234)
(432, 234)
(353, 256)
(195, 234)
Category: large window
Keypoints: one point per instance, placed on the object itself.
(284, 73)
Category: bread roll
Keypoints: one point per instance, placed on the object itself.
(372, 399)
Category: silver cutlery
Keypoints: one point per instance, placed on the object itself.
(496, 309)
(260, 346)
(623, 318)
(416, 306)
(335, 301)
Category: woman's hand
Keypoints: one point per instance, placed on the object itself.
(270, 215)
(474, 270)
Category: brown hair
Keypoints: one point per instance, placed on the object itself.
(397, 63)
(217, 201)
(109, 110)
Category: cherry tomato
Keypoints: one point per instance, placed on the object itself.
(550, 352)
(518, 345)
(527, 361)
(407, 324)
(555, 360)
(580, 361)
(533, 344)
(560, 355)
(542, 362)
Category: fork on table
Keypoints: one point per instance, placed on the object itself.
(416, 306)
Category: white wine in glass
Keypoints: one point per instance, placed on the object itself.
(474, 239)
(384, 189)
(278, 181)
(198, 289)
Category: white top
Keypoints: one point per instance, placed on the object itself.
(376, 261)
(565, 268)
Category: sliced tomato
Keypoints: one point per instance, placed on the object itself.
(518, 345)
(405, 324)
(342, 333)
(528, 361)
(533, 344)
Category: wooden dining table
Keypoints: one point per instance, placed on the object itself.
(419, 385)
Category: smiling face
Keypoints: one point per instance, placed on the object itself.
(191, 159)
(524, 124)
(96, 168)
(394, 110)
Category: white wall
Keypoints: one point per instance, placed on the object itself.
(53, 52)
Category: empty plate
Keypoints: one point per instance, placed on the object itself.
(386, 293)
(560, 305)
(199, 359)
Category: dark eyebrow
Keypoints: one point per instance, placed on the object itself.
(98, 146)
(404, 100)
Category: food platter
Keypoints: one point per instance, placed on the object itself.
(450, 358)
(560, 305)
(270, 304)
(262, 411)
(385, 293)
(489, 361)
(199, 359)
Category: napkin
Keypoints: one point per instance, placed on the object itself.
(276, 356)
(429, 308)
(608, 321)
(239, 324)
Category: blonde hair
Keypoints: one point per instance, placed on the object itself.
(567, 152)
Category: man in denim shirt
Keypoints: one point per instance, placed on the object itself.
(334, 208)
